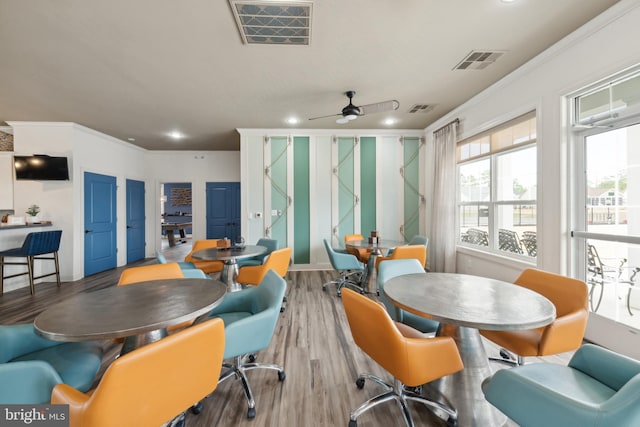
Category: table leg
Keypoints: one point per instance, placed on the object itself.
(135, 341)
(229, 275)
(371, 278)
(171, 237)
(182, 233)
(462, 390)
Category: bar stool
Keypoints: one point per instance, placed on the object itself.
(38, 243)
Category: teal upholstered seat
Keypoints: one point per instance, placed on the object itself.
(250, 318)
(27, 382)
(76, 363)
(597, 388)
(351, 270)
(397, 267)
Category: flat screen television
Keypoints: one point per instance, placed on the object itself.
(40, 167)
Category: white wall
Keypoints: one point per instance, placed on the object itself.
(62, 202)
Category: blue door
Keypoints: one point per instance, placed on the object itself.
(223, 210)
(135, 221)
(100, 250)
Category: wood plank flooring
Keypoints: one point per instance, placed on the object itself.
(312, 341)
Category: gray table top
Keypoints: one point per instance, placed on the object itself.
(224, 254)
(382, 244)
(122, 311)
(471, 301)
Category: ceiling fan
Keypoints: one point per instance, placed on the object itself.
(352, 112)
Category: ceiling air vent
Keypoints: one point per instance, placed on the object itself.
(273, 22)
(422, 108)
(478, 60)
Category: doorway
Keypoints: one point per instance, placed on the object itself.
(176, 213)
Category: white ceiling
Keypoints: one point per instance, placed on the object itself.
(140, 69)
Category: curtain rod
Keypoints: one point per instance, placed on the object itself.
(456, 121)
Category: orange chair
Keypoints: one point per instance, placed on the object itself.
(206, 266)
(145, 273)
(570, 297)
(411, 357)
(152, 384)
(360, 253)
(278, 260)
(418, 252)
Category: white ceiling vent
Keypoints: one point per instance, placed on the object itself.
(273, 22)
(478, 60)
(422, 108)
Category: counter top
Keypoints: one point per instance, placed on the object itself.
(4, 226)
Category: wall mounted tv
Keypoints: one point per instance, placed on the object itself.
(41, 167)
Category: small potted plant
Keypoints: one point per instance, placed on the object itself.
(32, 214)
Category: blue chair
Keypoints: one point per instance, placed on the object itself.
(29, 382)
(597, 388)
(184, 266)
(77, 363)
(250, 318)
(351, 270)
(34, 245)
(270, 244)
(398, 267)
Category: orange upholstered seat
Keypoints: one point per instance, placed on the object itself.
(206, 266)
(570, 297)
(360, 253)
(411, 357)
(277, 260)
(152, 384)
(418, 252)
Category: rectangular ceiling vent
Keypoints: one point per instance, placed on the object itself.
(273, 22)
(422, 108)
(478, 60)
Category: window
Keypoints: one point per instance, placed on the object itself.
(497, 185)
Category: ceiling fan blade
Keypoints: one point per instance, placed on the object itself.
(379, 107)
(324, 117)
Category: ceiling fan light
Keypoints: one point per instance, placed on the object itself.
(351, 116)
(342, 120)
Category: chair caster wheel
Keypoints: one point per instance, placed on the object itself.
(251, 413)
(378, 293)
(452, 422)
(197, 408)
(251, 358)
(505, 354)
(353, 423)
(281, 375)
(360, 383)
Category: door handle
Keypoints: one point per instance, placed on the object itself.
(128, 226)
(88, 231)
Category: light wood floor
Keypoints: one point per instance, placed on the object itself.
(312, 341)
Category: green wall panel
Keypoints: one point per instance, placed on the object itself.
(301, 200)
(367, 185)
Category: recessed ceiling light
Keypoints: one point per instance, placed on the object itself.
(389, 121)
(131, 139)
(176, 134)
(508, 1)
(293, 120)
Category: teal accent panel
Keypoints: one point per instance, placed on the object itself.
(279, 199)
(346, 182)
(411, 187)
(367, 185)
(301, 200)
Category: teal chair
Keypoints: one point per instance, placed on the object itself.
(599, 388)
(352, 271)
(77, 363)
(250, 318)
(397, 267)
(270, 244)
(184, 266)
(29, 382)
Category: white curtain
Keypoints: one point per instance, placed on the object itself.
(442, 245)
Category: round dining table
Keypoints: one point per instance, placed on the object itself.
(463, 304)
(140, 312)
(378, 248)
(230, 256)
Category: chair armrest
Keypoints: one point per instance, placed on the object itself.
(347, 262)
(64, 394)
(565, 333)
(433, 358)
(606, 366)
(18, 340)
(250, 334)
(235, 301)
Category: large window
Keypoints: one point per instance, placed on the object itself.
(497, 185)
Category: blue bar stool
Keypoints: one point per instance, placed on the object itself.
(38, 243)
